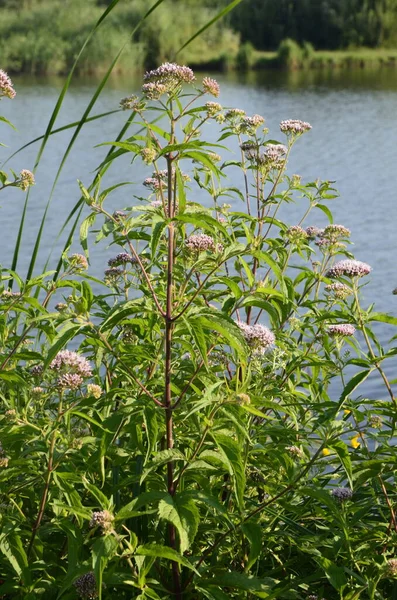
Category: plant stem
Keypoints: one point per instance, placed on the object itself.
(168, 358)
(369, 346)
(50, 465)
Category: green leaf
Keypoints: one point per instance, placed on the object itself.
(335, 575)
(103, 550)
(352, 385)
(383, 318)
(260, 588)
(130, 509)
(155, 237)
(253, 533)
(169, 512)
(158, 551)
(231, 451)
(162, 458)
(344, 456)
(69, 331)
(84, 228)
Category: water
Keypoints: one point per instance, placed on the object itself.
(353, 142)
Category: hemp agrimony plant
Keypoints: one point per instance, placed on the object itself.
(202, 437)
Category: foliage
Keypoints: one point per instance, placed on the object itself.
(192, 426)
(45, 36)
(330, 24)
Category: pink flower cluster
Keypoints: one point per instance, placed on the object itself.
(348, 268)
(211, 86)
(258, 336)
(71, 362)
(6, 86)
(294, 126)
(344, 329)
(165, 79)
(201, 242)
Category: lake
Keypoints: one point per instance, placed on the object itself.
(353, 142)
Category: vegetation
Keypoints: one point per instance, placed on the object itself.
(192, 426)
(44, 36)
(329, 24)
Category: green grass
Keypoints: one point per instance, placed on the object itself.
(357, 58)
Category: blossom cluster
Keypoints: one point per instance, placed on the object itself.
(339, 290)
(69, 362)
(6, 86)
(258, 336)
(211, 86)
(202, 242)
(103, 519)
(348, 268)
(123, 258)
(295, 233)
(86, 586)
(165, 80)
(342, 494)
(344, 329)
(294, 127)
(26, 179)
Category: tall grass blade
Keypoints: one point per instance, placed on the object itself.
(76, 133)
(59, 130)
(51, 122)
(221, 14)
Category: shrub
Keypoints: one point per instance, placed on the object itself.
(289, 54)
(192, 428)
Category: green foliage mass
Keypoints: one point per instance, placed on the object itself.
(192, 426)
(45, 37)
(329, 24)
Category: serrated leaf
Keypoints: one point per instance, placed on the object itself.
(168, 511)
(162, 458)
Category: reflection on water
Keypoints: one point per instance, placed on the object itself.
(353, 142)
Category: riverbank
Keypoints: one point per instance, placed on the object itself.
(325, 59)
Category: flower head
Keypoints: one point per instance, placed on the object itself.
(294, 127)
(249, 125)
(122, 258)
(273, 155)
(71, 362)
(166, 79)
(148, 155)
(6, 86)
(313, 231)
(201, 243)
(86, 586)
(78, 262)
(69, 381)
(348, 268)
(334, 232)
(130, 103)
(392, 567)
(94, 390)
(26, 179)
(344, 329)
(103, 519)
(342, 494)
(258, 336)
(213, 108)
(339, 290)
(234, 113)
(295, 233)
(211, 86)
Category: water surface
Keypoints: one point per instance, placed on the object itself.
(353, 142)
